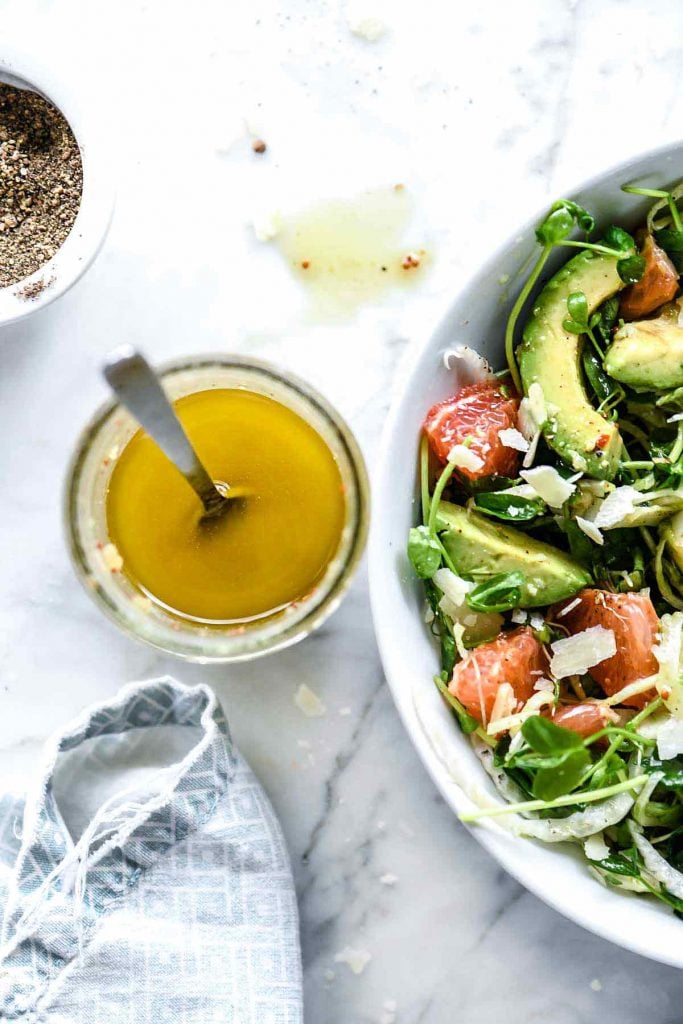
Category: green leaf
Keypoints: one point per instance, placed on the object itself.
(671, 242)
(557, 225)
(631, 269)
(623, 863)
(468, 724)
(441, 628)
(672, 848)
(573, 327)
(580, 215)
(490, 483)
(617, 238)
(509, 507)
(581, 547)
(659, 813)
(545, 737)
(563, 776)
(609, 311)
(583, 218)
(602, 385)
(673, 771)
(499, 593)
(577, 307)
(423, 551)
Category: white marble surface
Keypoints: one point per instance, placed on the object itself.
(484, 114)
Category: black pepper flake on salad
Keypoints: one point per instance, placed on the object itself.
(551, 550)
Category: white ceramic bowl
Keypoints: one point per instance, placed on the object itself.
(74, 99)
(558, 874)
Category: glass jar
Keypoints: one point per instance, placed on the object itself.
(87, 483)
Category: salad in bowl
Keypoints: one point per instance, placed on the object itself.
(550, 546)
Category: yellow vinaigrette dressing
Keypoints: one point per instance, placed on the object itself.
(352, 251)
(269, 550)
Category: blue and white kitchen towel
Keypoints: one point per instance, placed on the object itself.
(134, 890)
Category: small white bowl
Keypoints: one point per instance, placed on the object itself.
(89, 230)
(558, 874)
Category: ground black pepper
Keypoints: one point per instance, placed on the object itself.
(41, 182)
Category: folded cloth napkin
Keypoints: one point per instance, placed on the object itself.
(133, 891)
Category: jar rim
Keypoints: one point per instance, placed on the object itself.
(213, 644)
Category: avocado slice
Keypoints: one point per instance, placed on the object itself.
(478, 546)
(549, 356)
(648, 355)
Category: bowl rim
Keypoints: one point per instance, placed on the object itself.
(89, 230)
(377, 570)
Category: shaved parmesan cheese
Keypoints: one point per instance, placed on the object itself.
(453, 587)
(463, 457)
(544, 685)
(536, 620)
(670, 739)
(595, 847)
(574, 655)
(309, 702)
(617, 506)
(520, 491)
(532, 412)
(549, 485)
(504, 704)
(590, 529)
(450, 608)
(569, 607)
(579, 463)
(599, 488)
(531, 417)
(537, 403)
(458, 634)
(512, 438)
(369, 27)
(531, 453)
(473, 368)
(519, 616)
(538, 700)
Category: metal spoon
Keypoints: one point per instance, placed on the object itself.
(137, 387)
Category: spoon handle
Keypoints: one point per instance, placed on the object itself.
(137, 387)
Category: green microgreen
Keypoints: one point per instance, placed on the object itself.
(499, 593)
(512, 508)
(561, 219)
